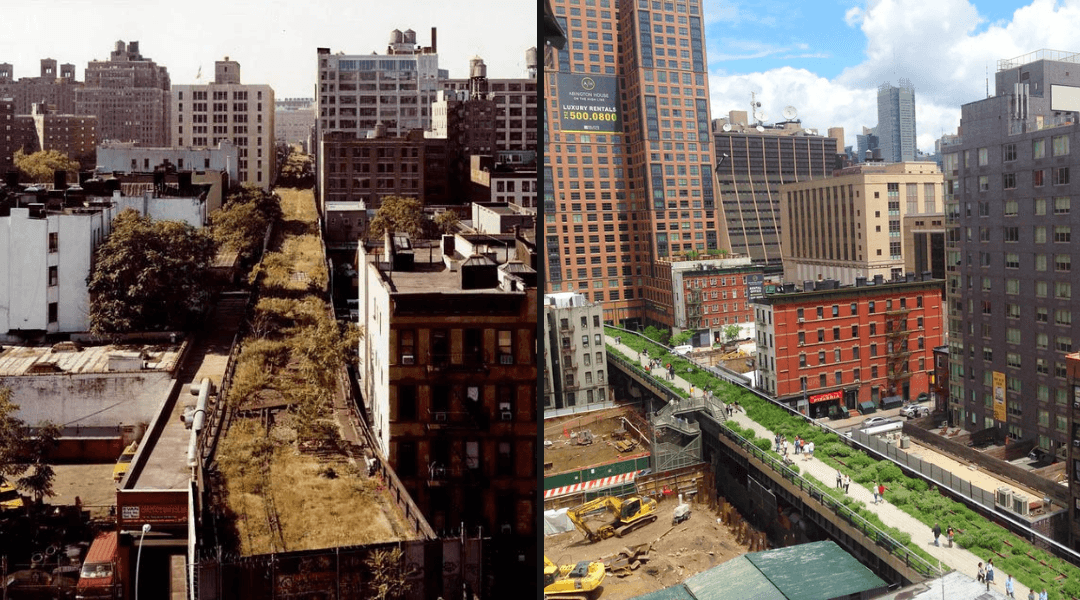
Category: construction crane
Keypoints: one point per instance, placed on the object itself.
(628, 514)
(573, 582)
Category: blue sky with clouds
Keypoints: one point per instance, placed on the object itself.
(827, 58)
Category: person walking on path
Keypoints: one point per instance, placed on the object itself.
(1043, 595)
(982, 574)
(1031, 594)
(847, 484)
(839, 479)
(937, 534)
(1009, 586)
(881, 491)
(989, 573)
(950, 534)
(874, 489)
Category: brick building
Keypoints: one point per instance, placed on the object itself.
(831, 348)
(73, 135)
(129, 94)
(56, 92)
(713, 294)
(448, 370)
(368, 169)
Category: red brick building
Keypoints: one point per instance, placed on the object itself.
(712, 294)
(842, 347)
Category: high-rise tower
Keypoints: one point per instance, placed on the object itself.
(629, 163)
(896, 121)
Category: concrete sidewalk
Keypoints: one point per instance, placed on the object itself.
(954, 558)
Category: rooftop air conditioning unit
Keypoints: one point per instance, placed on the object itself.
(1003, 497)
(1020, 505)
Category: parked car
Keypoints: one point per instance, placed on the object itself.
(914, 410)
(874, 421)
(923, 397)
(682, 350)
(32, 584)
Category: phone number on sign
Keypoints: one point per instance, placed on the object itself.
(586, 116)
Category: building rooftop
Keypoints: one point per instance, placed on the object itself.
(66, 357)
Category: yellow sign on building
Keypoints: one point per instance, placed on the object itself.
(999, 396)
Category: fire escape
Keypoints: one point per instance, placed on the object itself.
(897, 353)
(693, 309)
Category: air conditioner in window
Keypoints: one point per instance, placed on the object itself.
(408, 359)
(506, 359)
(506, 529)
(506, 415)
(440, 417)
(802, 320)
(1076, 443)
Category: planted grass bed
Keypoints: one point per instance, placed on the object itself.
(1031, 566)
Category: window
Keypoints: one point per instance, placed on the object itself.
(53, 276)
(821, 312)
(1061, 205)
(54, 242)
(1061, 175)
(1008, 181)
(821, 335)
(1012, 234)
(1038, 177)
(1040, 234)
(54, 312)
(802, 360)
(836, 310)
(1060, 145)
(1062, 290)
(984, 157)
(406, 402)
(407, 347)
(823, 380)
(855, 331)
(1062, 234)
(1063, 317)
(1041, 315)
(1040, 262)
(1038, 148)
(1012, 207)
(835, 333)
(1063, 262)
(821, 357)
(1041, 341)
(1008, 152)
(802, 338)
(506, 347)
(984, 183)
(1012, 286)
(1012, 335)
(1012, 260)
(1063, 343)
(855, 355)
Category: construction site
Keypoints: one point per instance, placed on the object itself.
(648, 531)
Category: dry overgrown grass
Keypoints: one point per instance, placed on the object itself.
(291, 337)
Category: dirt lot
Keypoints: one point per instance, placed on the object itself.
(566, 456)
(677, 552)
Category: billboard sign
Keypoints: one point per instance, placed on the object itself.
(755, 284)
(156, 507)
(589, 103)
(999, 396)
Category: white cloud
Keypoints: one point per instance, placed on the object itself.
(945, 48)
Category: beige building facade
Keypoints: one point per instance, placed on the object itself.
(851, 225)
(228, 111)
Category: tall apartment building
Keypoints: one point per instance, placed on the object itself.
(828, 346)
(226, 110)
(896, 122)
(357, 91)
(129, 94)
(752, 164)
(55, 90)
(1009, 254)
(515, 106)
(628, 170)
(575, 361)
(448, 365)
(73, 135)
(850, 225)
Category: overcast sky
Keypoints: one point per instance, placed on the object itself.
(274, 40)
(827, 58)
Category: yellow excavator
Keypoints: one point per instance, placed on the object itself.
(572, 582)
(629, 514)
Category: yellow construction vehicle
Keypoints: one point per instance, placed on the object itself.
(573, 582)
(629, 514)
